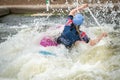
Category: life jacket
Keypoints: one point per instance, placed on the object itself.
(69, 35)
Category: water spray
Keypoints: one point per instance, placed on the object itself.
(96, 22)
(91, 15)
(94, 18)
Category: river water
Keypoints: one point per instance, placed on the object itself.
(19, 48)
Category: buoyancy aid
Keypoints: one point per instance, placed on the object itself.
(69, 36)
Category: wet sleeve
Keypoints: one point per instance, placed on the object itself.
(84, 37)
(69, 20)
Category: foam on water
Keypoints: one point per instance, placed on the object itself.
(20, 58)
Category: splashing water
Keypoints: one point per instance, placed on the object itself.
(20, 58)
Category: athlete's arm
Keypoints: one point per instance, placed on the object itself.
(83, 38)
(73, 11)
(95, 41)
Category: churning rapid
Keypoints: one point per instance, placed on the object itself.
(20, 57)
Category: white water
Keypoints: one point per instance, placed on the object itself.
(93, 17)
(20, 58)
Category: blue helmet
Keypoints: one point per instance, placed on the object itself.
(78, 19)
